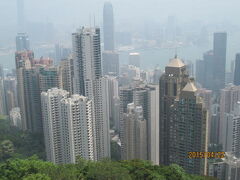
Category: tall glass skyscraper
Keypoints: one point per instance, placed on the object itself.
(108, 25)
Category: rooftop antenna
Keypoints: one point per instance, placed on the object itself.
(176, 51)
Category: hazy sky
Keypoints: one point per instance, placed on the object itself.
(78, 11)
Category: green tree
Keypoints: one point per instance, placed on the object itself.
(37, 177)
(6, 149)
(107, 170)
(25, 144)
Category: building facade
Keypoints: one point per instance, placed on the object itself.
(88, 81)
(69, 130)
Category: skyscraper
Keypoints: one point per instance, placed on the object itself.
(206, 95)
(200, 69)
(88, 81)
(237, 70)
(23, 60)
(126, 97)
(219, 52)
(235, 146)
(229, 96)
(205, 70)
(146, 97)
(108, 27)
(52, 125)
(22, 42)
(32, 99)
(32, 79)
(188, 130)
(37, 79)
(113, 94)
(135, 134)
(68, 127)
(3, 110)
(171, 83)
(49, 77)
(87, 59)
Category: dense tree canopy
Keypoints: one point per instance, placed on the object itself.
(35, 169)
(17, 146)
(16, 143)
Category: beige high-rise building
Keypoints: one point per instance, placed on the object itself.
(66, 68)
(188, 130)
(183, 119)
(113, 94)
(135, 134)
(147, 97)
(171, 83)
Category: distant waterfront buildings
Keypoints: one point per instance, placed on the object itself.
(211, 71)
(205, 70)
(134, 59)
